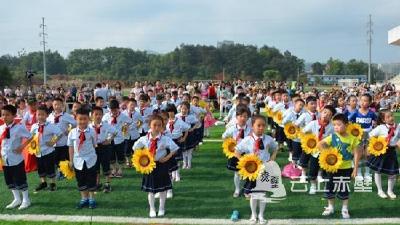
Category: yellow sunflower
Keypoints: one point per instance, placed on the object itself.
(309, 143)
(291, 130)
(124, 130)
(33, 147)
(268, 111)
(278, 117)
(330, 160)
(68, 172)
(377, 145)
(249, 167)
(355, 130)
(143, 161)
(228, 147)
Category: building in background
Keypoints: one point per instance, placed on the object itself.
(334, 79)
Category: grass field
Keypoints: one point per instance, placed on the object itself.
(204, 192)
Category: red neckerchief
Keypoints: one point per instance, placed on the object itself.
(183, 118)
(6, 133)
(321, 129)
(313, 116)
(142, 111)
(258, 144)
(82, 138)
(114, 119)
(57, 118)
(391, 131)
(33, 117)
(171, 125)
(240, 134)
(40, 131)
(153, 144)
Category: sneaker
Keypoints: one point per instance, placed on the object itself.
(53, 187)
(392, 195)
(92, 204)
(152, 213)
(118, 174)
(382, 194)
(320, 179)
(83, 203)
(345, 214)
(41, 186)
(161, 213)
(24, 205)
(236, 194)
(157, 195)
(170, 194)
(313, 189)
(14, 204)
(328, 211)
(107, 188)
(303, 179)
(253, 219)
(261, 220)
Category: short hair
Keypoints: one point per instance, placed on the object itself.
(299, 100)
(10, 108)
(187, 104)
(258, 117)
(311, 99)
(99, 98)
(196, 97)
(82, 111)
(144, 97)
(32, 101)
(114, 104)
(43, 108)
(330, 108)
(132, 100)
(171, 108)
(242, 109)
(58, 99)
(97, 108)
(159, 97)
(368, 96)
(156, 117)
(341, 117)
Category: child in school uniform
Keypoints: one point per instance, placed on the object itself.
(321, 128)
(367, 119)
(145, 111)
(386, 163)
(104, 133)
(29, 117)
(133, 130)
(238, 132)
(120, 122)
(282, 106)
(179, 132)
(349, 148)
(265, 147)
(82, 152)
(190, 119)
(305, 118)
(199, 112)
(11, 143)
(46, 158)
(64, 122)
(292, 115)
(158, 181)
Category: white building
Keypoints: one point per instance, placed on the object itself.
(334, 79)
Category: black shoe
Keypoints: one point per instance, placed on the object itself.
(107, 188)
(53, 187)
(41, 186)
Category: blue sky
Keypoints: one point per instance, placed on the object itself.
(311, 29)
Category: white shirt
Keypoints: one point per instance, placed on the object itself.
(106, 131)
(314, 128)
(164, 142)
(86, 153)
(179, 128)
(101, 92)
(147, 112)
(122, 120)
(383, 130)
(233, 132)
(64, 121)
(305, 119)
(189, 119)
(49, 130)
(291, 116)
(17, 133)
(133, 130)
(247, 145)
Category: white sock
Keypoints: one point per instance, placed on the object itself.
(320, 173)
(303, 173)
(378, 182)
(16, 195)
(253, 206)
(25, 196)
(150, 197)
(185, 158)
(330, 205)
(190, 156)
(391, 182)
(177, 176)
(367, 172)
(262, 208)
(163, 196)
(345, 207)
(359, 171)
(236, 181)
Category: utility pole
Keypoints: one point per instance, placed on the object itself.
(43, 42)
(369, 32)
(223, 73)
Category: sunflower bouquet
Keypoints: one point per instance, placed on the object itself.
(278, 117)
(249, 167)
(330, 160)
(66, 169)
(355, 130)
(34, 147)
(309, 142)
(377, 146)
(228, 147)
(143, 161)
(291, 130)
